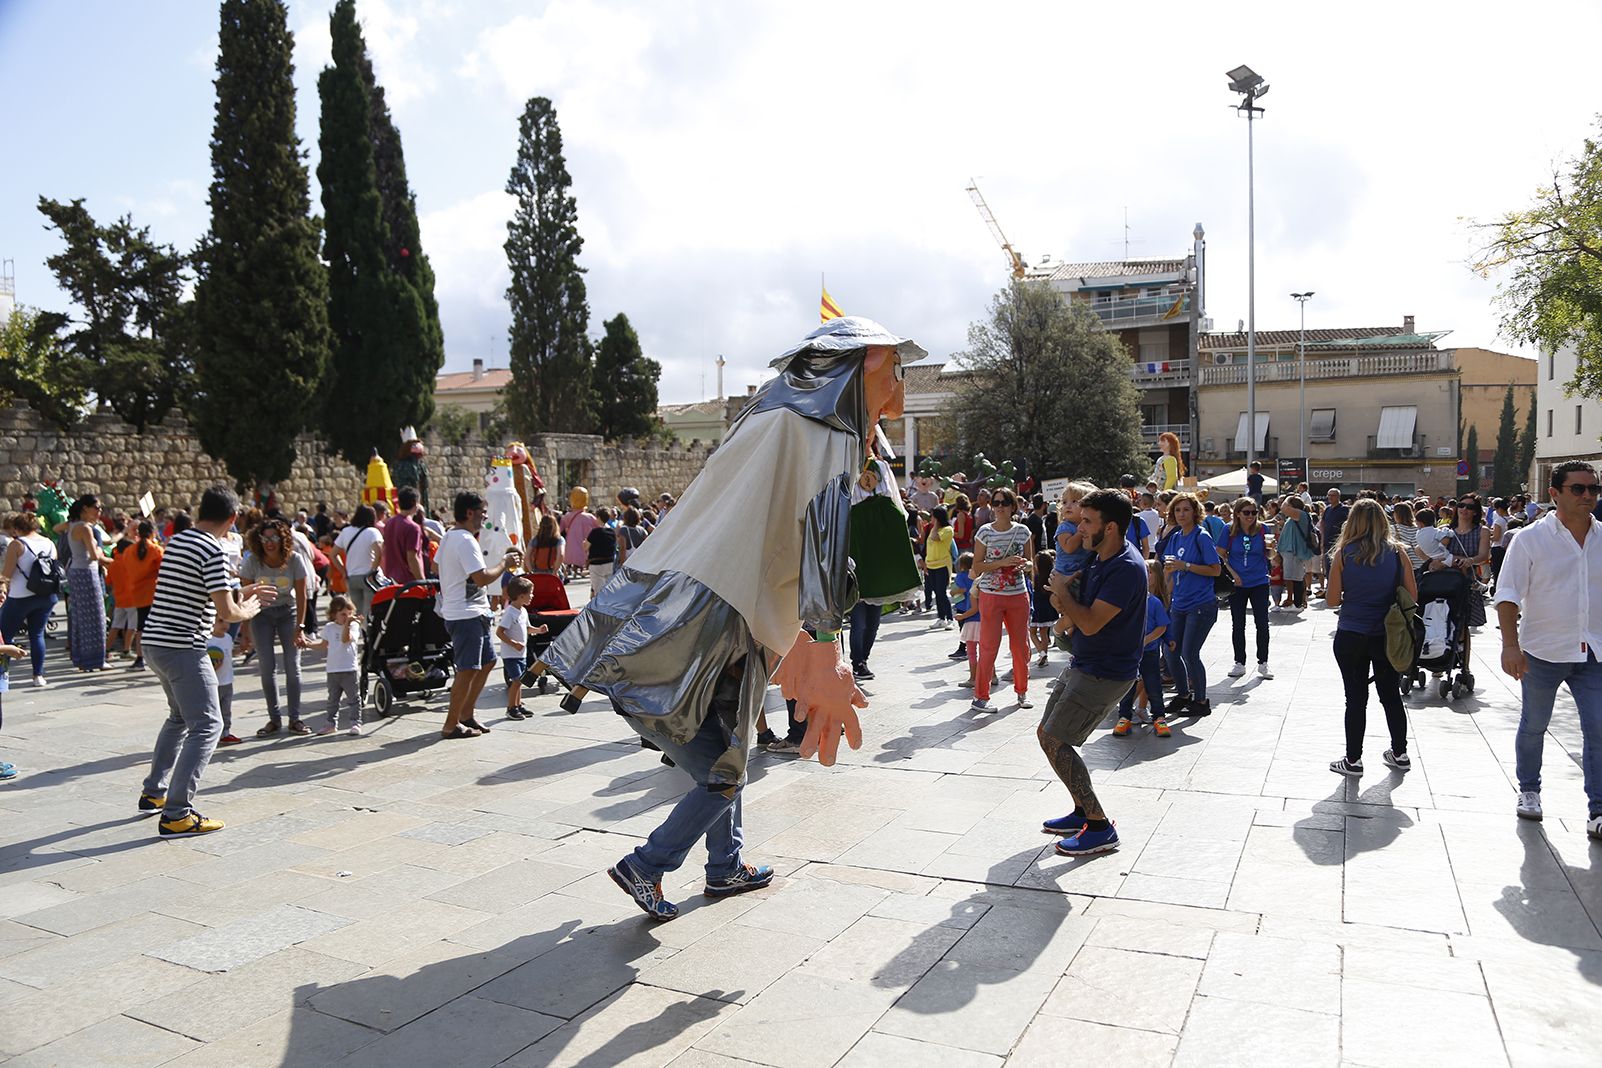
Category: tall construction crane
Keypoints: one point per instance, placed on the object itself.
(995, 228)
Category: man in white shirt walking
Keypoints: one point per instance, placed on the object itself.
(463, 574)
(1549, 606)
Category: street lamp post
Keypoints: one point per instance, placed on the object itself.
(1301, 366)
(1251, 86)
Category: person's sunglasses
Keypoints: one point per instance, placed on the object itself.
(1580, 489)
(1247, 511)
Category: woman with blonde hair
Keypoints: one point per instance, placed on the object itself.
(1366, 567)
(1169, 468)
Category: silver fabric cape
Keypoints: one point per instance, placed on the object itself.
(657, 644)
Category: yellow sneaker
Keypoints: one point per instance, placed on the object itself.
(1123, 728)
(189, 826)
(150, 804)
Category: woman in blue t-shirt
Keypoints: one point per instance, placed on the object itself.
(1245, 553)
(1191, 562)
(1365, 569)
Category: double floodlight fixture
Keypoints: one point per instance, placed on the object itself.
(1249, 84)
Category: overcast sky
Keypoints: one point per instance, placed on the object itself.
(725, 155)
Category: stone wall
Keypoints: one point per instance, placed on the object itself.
(107, 457)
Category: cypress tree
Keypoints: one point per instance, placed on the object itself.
(549, 344)
(387, 345)
(260, 323)
(1473, 460)
(1527, 444)
(1504, 464)
(627, 406)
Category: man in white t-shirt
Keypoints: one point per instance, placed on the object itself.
(463, 603)
(1153, 521)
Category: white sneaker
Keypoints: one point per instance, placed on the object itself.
(981, 706)
(1237, 671)
(355, 730)
(1264, 670)
(1593, 828)
(1529, 805)
(40, 681)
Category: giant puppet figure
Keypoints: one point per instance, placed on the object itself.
(682, 638)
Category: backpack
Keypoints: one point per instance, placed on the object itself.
(44, 576)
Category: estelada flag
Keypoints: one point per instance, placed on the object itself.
(829, 309)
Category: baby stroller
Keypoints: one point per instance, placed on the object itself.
(1443, 609)
(549, 608)
(407, 649)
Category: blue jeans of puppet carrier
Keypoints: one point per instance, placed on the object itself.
(701, 813)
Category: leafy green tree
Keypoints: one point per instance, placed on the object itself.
(387, 347)
(1472, 483)
(1049, 387)
(1527, 444)
(1552, 251)
(626, 407)
(550, 351)
(1505, 463)
(38, 370)
(126, 290)
(260, 321)
(454, 424)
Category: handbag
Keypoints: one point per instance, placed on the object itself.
(1404, 630)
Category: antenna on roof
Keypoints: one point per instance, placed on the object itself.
(1127, 241)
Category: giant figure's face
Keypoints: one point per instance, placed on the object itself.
(886, 392)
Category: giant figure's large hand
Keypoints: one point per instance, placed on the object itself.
(825, 695)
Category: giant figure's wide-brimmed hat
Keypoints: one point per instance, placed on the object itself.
(847, 334)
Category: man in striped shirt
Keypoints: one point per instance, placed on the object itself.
(192, 591)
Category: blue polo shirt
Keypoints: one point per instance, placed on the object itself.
(1114, 651)
(1217, 528)
(1247, 557)
(1137, 534)
(1156, 616)
(1190, 589)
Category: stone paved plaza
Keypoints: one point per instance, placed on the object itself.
(394, 899)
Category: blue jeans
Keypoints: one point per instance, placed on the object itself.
(701, 813)
(31, 612)
(1540, 687)
(1188, 633)
(189, 735)
(864, 630)
(1151, 673)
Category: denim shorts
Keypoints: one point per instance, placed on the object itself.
(471, 649)
(513, 668)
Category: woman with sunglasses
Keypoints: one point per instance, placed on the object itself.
(1468, 544)
(1245, 552)
(274, 562)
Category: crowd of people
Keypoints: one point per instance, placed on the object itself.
(1129, 580)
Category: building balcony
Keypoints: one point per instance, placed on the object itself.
(1150, 432)
(1416, 450)
(1177, 374)
(1130, 312)
(1269, 450)
(1374, 366)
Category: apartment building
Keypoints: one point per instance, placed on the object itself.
(1566, 427)
(1382, 404)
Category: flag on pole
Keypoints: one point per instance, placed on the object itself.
(829, 309)
(1175, 310)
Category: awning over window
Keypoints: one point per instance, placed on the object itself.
(1262, 433)
(1396, 427)
(1322, 425)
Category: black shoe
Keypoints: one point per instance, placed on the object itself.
(1198, 709)
(766, 738)
(516, 713)
(960, 654)
(861, 671)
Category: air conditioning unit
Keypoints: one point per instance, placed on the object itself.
(1220, 358)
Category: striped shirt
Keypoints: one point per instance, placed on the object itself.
(192, 570)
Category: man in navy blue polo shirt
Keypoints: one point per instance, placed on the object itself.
(1108, 611)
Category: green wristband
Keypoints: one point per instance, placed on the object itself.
(825, 636)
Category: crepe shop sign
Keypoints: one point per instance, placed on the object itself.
(1328, 474)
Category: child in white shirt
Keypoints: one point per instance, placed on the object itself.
(220, 651)
(343, 639)
(513, 634)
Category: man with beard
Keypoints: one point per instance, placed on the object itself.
(1107, 607)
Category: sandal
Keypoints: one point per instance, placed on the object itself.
(475, 725)
(272, 728)
(297, 727)
(459, 732)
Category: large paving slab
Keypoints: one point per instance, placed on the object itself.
(394, 898)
